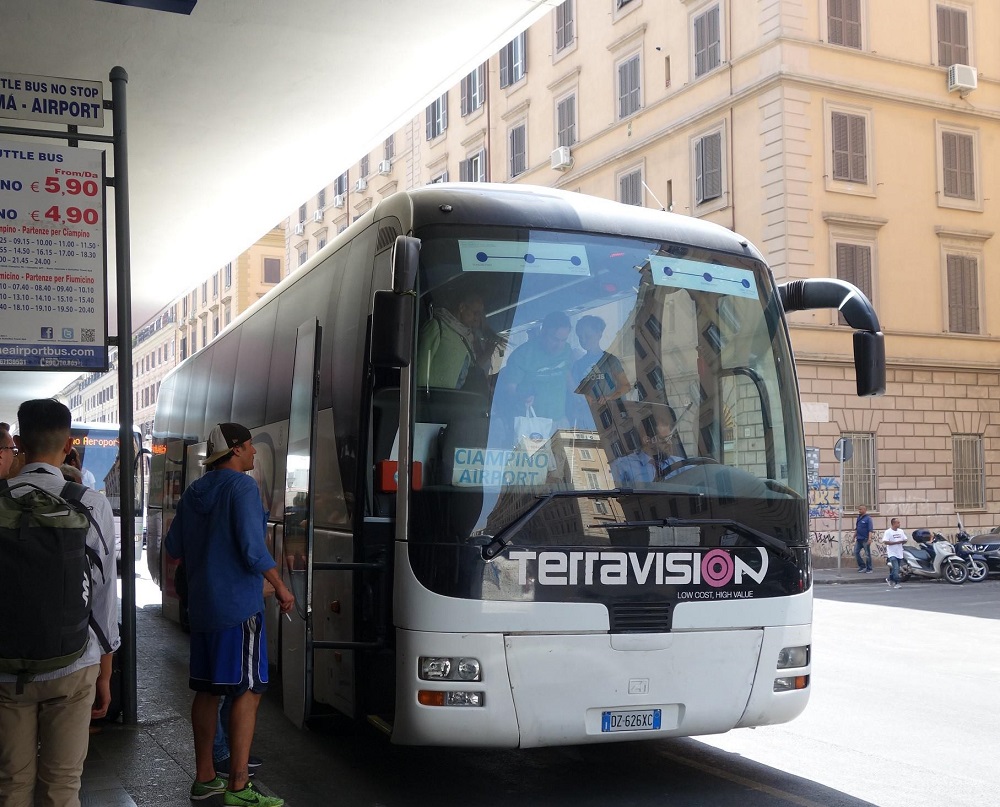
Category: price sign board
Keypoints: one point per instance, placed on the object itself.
(53, 258)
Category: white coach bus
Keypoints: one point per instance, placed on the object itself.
(595, 530)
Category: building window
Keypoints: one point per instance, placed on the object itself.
(969, 471)
(655, 377)
(215, 326)
(437, 117)
(389, 147)
(854, 264)
(593, 480)
(963, 294)
(629, 100)
(303, 255)
(320, 243)
(565, 35)
(708, 167)
(321, 199)
(586, 454)
(513, 60)
(340, 185)
(227, 276)
(843, 23)
(364, 167)
(473, 90)
(566, 120)
(707, 42)
(442, 177)
(952, 36)
(473, 169)
(194, 341)
(850, 157)
(605, 415)
(184, 307)
(640, 350)
(860, 480)
(516, 147)
(654, 327)
(215, 286)
(302, 214)
(272, 270)
(630, 188)
(958, 158)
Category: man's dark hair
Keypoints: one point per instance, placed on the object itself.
(43, 425)
(554, 321)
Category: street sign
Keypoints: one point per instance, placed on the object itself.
(68, 101)
(843, 450)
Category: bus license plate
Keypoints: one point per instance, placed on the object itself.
(640, 720)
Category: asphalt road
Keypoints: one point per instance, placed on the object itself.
(896, 674)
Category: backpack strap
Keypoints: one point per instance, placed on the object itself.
(73, 492)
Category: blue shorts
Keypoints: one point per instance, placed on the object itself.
(230, 661)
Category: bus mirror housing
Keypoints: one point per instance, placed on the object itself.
(856, 308)
(405, 260)
(392, 329)
(869, 363)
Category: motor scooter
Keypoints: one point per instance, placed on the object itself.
(935, 559)
(979, 568)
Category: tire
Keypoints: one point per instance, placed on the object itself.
(978, 570)
(955, 572)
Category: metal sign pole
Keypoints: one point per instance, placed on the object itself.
(840, 511)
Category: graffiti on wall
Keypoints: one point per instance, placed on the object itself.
(824, 497)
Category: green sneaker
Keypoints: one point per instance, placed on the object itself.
(205, 790)
(251, 796)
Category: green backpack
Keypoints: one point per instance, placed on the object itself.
(47, 575)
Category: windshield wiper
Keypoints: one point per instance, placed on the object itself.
(498, 543)
(762, 538)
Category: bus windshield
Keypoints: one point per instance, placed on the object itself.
(98, 450)
(580, 389)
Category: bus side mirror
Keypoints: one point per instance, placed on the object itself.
(869, 362)
(392, 329)
(405, 260)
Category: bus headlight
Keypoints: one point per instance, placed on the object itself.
(435, 668)
(790, 683)
(793, 657)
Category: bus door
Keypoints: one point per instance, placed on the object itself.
(297, 540)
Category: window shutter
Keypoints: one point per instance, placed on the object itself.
(953, 36)
(714, 42)
(944, 36)
(841, 146)
(505, 58)
(966, 167)
(854, 264)
(852, 23)
(949, 155)
(463, 171)
(480, 85)
(443, 106)
(963, 294)
(466, 108)
(713, 166)
(430, 121)
(835, 22)
(856, 139)
(700, 46)
(699, 172)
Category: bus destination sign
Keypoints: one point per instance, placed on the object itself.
(68, 101)
(53, 263)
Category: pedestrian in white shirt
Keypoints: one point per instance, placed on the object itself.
(894, 538)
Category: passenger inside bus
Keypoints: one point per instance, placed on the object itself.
(454, 346)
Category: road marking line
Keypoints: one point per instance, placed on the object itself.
(742, 780)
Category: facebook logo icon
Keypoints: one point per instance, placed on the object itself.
(47, 333)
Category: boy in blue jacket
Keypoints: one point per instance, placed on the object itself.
(218, 533)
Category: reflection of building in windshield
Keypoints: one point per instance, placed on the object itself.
(580, 463)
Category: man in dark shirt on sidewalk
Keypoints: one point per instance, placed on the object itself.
(863, 540)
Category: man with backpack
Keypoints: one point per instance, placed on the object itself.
(48, 698)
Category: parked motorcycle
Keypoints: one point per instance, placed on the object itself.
(935, 559)
(976, 562)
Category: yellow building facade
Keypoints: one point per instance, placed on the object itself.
(845, 138)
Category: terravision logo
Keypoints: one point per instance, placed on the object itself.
(715, 568)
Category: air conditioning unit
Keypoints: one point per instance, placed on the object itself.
(338, 200)
(300, 228)
(962, 77)
(384, 167)
(318, 215)
(361, 185)
(562, 158)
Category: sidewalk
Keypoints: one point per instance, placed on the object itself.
(848, 573)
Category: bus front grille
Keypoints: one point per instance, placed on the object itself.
(640, 617)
